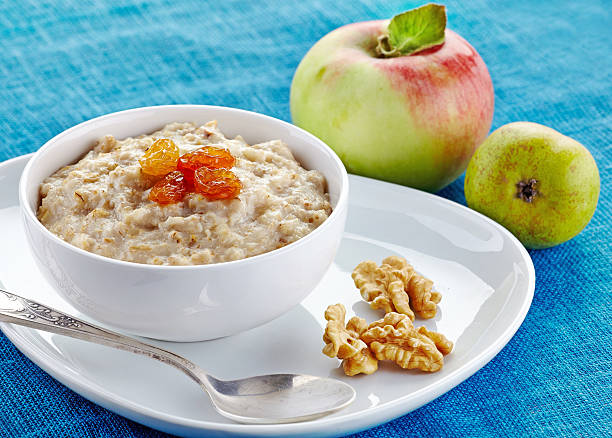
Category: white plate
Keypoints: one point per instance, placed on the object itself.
(485, 275)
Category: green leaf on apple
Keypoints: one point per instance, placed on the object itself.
(413, 31)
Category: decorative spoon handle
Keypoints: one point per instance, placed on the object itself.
(22, 311)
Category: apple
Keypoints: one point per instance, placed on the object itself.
(535, 181)
(410, 117)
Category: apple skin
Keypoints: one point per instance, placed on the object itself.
(567, 183)
(413, 120)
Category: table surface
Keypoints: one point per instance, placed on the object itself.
(551, 63)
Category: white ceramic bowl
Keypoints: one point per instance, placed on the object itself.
(184, 303)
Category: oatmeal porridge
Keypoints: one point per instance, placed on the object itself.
(102, 203)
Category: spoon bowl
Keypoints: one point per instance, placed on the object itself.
(266, 399)
(280, 398)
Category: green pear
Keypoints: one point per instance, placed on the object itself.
(538, 183)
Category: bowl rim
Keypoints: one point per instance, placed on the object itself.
(335, 215)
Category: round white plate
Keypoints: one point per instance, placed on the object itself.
(485, 275)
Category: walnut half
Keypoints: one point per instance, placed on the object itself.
(395, 338)
(383, 287)
(345, 343)
(394, 286)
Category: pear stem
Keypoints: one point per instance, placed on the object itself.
(526, 190)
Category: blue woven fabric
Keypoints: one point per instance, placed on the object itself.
(551, 62)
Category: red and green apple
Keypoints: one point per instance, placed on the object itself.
(405, 100)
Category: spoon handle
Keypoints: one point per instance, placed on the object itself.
(29, 313)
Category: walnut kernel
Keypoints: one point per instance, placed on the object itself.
(395, 286)
(345, 343)
(395, 338)
(383, 287)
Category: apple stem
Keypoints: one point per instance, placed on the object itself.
(526, 190)
(384, 49)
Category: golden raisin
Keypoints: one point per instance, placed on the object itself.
(216, 183)
(170, 189)
(161, 158)
(210, 157)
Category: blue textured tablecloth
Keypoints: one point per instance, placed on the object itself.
(551, 62)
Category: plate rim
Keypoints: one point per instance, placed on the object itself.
(358, 420)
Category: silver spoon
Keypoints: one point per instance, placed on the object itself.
(274, 398)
